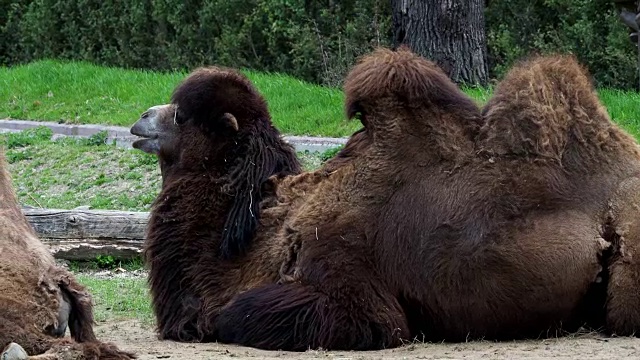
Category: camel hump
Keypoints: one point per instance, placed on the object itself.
(540, 102)
(388, 80)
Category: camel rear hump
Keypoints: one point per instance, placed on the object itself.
(543, 104)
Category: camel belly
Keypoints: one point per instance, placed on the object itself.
(535, 280)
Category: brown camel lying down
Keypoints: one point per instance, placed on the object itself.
(438, 221)
(39, 299)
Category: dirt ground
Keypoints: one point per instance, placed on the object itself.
(133, 336)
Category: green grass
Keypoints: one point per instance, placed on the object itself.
(624, 109)
(68, 172)
(81, 93)
(119, 298)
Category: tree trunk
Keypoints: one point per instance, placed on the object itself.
(450, 33)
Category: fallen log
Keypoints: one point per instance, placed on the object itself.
(80, 234)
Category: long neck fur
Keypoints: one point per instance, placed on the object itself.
(227, 194)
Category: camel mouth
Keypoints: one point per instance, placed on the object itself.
(139, 143)
(148, 145)
(147, 135)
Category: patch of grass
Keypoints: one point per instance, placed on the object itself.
(328, 154)
(106, 262)
(623, 108)
(69, 172)
(119, 298)
(82, 93)
(28, 137)
(479, 95)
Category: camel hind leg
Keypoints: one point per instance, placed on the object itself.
(623, 291)
(19, 339)
(17, 327)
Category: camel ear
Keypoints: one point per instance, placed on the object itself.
(230, 121)
(356, 111)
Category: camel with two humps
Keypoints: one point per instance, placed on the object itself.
(437, 221)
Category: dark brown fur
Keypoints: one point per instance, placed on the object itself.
(418, 237)
(310, 312)
(338, 294)
(31, 287)
(203, 222)
(436, 222)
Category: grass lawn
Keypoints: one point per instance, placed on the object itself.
(119, 298)
(69, 172)
(78, 92)
(81, 93)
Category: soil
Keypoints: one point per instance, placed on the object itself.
(133, 336)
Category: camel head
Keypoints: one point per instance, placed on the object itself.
(209, 113)
(157, 130)
(218, 125)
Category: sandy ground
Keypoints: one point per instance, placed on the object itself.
(133, 336)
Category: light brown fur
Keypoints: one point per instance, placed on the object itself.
(546, 113)
(32, 287)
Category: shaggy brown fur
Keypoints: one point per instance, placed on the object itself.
(546, 120)
(342, 288)
(32, 288)
(184, 232)
(419, 237)
(435, 222)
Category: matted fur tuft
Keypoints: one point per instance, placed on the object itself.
(263, 158)
(543, 103)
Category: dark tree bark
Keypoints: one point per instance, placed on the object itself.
(450, 33)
